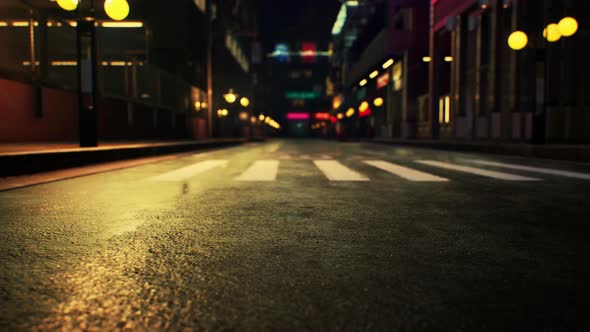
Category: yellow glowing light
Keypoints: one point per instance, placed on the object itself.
(374, 74)
(244, 101)
(261, 117)
(363, 82)
(518, 40)
(448, 59)
(203, 105)
(198, 105)
(230, 97)
(244, 116)
(447, 109)
(117, 10)
(340, 116)
(267, 120)
(222, 112)
(426, 59)
(129, 24)
(350, 112)
(378, 102)
(64, 63)
(364, 106)
(568, 26)
(552, 33)
(336, 102)
(387, 63)
(20, 24)
(68, 5)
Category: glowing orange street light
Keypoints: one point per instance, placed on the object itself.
(552, 33)
(68, 5)
(518, 40)
(244, 101)
(230, 97)
(117, 10)
(378, 102)
(568, 26)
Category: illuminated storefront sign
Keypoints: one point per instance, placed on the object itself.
(281, 53)
(308, 52)
(302, 95)
(322, 116)
(298, 116)
(383, 80)
(336, 102)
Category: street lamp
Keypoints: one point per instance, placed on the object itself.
(230, 97)
(553, 32)
(244, 101)
(68, 5)
(117, 10)
(87, 61)
(518, 40)
(378, 102)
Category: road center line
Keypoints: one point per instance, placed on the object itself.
(188, 172)
(262, 170)
(477, 171)
(569, 174)
(335, 171)
(404, 172)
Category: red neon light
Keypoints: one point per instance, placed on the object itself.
(322, 116)
(333, 119)
(308, 52)
(383, 80)
(365, 113)
(297, 116)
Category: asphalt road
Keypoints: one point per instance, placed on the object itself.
(302, 235)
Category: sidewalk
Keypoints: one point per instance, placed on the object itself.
(548, 151)
(30, 158)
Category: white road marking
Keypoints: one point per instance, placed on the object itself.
(477, 171)
(188, 172)
(335, 171)
(404, 172)
(577, 175)
(262, 170)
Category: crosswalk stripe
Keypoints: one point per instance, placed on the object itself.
(404, 172)
(577, 175)
(335, 171)
(188, 172)
(262, 170)
(477, 171)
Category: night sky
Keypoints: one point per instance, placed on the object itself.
(308, 20)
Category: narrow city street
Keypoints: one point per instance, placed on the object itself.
(302, 235)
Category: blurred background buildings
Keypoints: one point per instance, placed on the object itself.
(367, 69)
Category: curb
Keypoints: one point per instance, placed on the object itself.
(35, 162)
(556, 152)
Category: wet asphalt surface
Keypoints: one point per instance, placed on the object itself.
(118, 252)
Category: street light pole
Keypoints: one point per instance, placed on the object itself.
(87, 75)
(210, 17)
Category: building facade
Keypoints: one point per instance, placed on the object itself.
(460, 80)
(152, 70)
